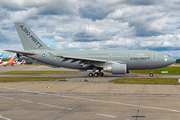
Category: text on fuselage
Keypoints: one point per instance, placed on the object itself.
(139, 58)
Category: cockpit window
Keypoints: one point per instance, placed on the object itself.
(167, 56)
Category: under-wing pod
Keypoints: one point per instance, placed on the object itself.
(116, 69)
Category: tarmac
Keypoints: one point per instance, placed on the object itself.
(93, 99)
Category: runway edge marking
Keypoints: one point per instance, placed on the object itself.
(4, 117)
(106, 115)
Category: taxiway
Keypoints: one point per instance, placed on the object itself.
(96, 99)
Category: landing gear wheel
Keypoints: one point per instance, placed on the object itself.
(91, 75)
(96, 74)
(151, 74)
(101, 74)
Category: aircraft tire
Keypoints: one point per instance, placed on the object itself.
(101, 74)
(91, 75)
(96, 74)
(151, 74)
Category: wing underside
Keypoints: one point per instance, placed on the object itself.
(88, 61)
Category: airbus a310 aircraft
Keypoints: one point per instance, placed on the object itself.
(113, 61)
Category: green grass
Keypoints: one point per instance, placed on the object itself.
(37, 72)
(171, 71)
(165, 81)
(22, 79)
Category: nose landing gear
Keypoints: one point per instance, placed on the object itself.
(151, 74)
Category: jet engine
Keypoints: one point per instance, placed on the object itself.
(116, 69)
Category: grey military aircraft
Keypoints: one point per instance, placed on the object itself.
(113, 61)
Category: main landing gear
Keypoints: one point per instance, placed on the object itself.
(96, 74)
(151, 74)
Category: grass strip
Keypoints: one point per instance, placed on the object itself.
(37, 72)
(23, 79)
(165, 81)
(171, 71)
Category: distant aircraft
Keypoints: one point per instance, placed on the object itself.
(10, 62)
(15, 61)
(113, 61)
(22, 62)
(1, 58)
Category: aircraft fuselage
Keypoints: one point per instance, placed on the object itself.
(134, 59)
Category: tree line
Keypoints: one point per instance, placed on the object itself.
(19, 60)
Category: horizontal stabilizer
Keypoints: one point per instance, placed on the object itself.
(21, 52)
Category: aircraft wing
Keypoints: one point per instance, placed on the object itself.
(84, 59)
(21, 52)
(88, 61)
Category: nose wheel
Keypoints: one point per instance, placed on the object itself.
(151, 74)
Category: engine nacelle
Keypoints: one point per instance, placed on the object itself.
(116, 69)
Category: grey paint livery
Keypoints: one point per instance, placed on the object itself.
(114, 61)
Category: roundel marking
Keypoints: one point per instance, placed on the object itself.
(43, 55)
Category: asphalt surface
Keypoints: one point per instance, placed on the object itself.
(76, 99)
(79, 74)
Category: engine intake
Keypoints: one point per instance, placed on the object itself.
(116, 69)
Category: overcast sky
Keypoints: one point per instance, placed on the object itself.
(94, 24)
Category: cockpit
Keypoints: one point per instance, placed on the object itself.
(167, 56)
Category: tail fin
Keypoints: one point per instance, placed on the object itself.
(28, 39)
(1, 57)
(15, 61)
(10, 61)
(23, 62)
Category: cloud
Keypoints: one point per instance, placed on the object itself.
(178, 27)
(141, 2)
(107, 24)
(57, 7)
(58, 39)
(71, 45)
(94, 13)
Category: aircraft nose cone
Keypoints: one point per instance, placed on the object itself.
(172, 60)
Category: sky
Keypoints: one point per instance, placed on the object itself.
(94, 24)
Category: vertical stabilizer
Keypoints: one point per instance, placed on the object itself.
(28, 39)
(15, 61)
(1, 58)
(10, 62)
